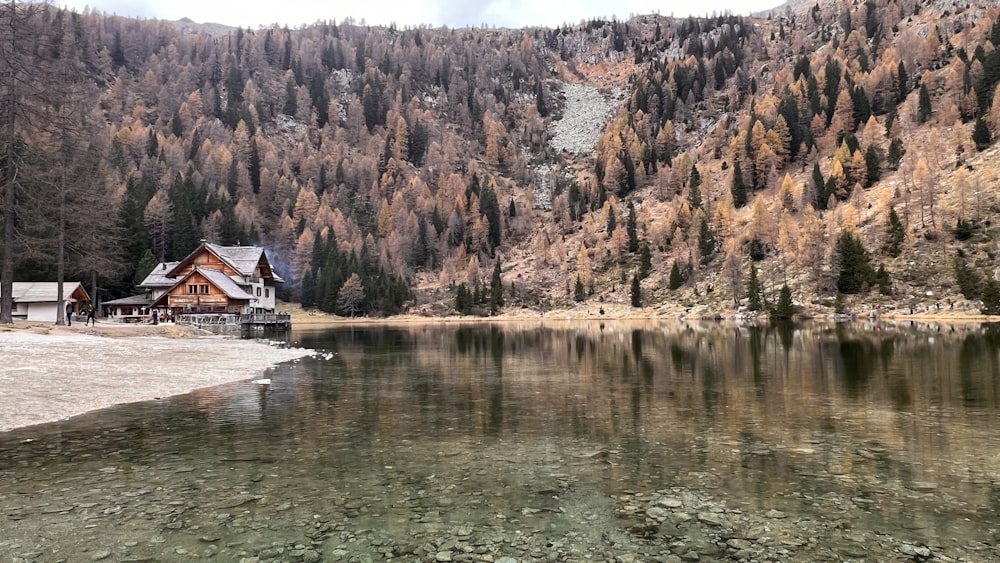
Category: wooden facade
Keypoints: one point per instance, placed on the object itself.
(196, 292)
(215, 280)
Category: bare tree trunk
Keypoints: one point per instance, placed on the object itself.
(61, 253)
(9, 177)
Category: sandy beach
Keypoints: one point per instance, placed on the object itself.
(50, 373)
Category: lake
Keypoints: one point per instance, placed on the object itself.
(516, 442)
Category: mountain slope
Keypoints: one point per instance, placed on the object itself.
(418, 157)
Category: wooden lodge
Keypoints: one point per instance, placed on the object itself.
(214, 285)
(219, 280)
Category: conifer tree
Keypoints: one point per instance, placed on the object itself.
(676, 278)
(873, 164)
(754, 302)
(636, 291)
(923, 104)
(896, 153)
(902, 80)
(490, 208)
(463, 301)
(694, 195)
(706, 242)
(969, 281)
(645, 261)
(895, 234)
(883, 280)
(785, 309)
(631, 228)
(991, 297)
(853, 264)
(739, 188)
(981, 134)
(496, 289)
(579, 293)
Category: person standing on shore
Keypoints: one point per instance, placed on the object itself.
(69, 314)
(90, 315)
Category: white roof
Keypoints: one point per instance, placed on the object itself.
(225, 283)
(158, 278)
(243, 258)
(44, 292)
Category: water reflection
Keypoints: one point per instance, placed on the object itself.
(889, 431)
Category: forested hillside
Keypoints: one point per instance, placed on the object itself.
(836, 148)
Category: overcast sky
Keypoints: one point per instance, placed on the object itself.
(452, 13)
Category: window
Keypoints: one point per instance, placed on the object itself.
(192, 289)
(204, 289)
(267, 293)
(258, 292)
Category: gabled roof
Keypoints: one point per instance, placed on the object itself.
(45, 292)
(215, 277)
(225, 283)
(243, 259)
(158, 277)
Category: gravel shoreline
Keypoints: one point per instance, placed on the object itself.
(56, 373)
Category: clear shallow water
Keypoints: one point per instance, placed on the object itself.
(563, 442)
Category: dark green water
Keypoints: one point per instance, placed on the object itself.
(538, 443)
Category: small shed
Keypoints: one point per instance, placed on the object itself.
(36, 301)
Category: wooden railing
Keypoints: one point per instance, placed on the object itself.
(208, 319)
(266, 319)
(234, 319)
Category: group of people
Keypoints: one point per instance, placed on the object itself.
(89, 310)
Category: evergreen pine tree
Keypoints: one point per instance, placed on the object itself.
(579, 293)
(819, 184)
(627, 183)
(924, 105)
(612, 220)
(176, 127)
(873, 165)
(739, 188)
(463, 301)
(706, 242)
(903, 81)
(981, 134)
(754, 301)
(308, 292)
(694, 195)
(855, 270)
(991, 297)
(969, 281)
(496, 289)
(895, 235)
(490, 208)
(785, 309)
(883, 280)
(645, 261)
(631, 228)
(636, 291)
(676, 278)
(896, 153)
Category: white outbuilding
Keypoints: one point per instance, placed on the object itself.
(36, 301)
